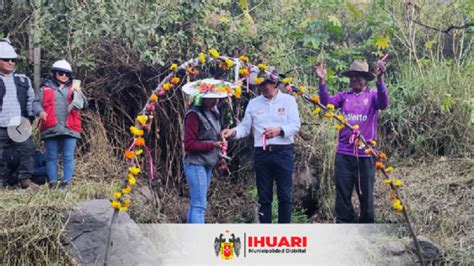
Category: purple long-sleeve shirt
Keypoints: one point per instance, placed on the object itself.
(359, 109)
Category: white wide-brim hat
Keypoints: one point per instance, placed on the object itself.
(208, 88)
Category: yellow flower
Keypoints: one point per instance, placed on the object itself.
(316, 99)
(154, 98)
(263, 67)
(389, 170)
(136, 132)
(115, 204)
(329, 115)
(287, 80)
(131, 180)
(126, 190)
(175, 80)
(356, 126)
(302, 89)
(117, 195)
(238, 92)
(139, 152)
(123, 209)
(202, 58)
(229, 63)
(330, 107)
(399, 208)
(133, 130)
(134, 170)
(398, 183)
(244, 58)
(244, 72)
(388, 181)
(173, 67)
(167, 86)
(372, 142)
(397, 205)
(316, 111)
(339, 127)
(258, 80)
(142, 119)
(341, 118)
(214, 53)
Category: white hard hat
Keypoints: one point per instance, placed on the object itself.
(62, 65)
(7, 51)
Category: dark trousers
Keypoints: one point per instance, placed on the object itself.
(25, 151)
(270, 167)
(359, 174)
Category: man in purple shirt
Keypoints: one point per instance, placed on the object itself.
(353, 168)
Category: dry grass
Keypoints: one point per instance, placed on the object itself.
(33, 222)
(440, 196)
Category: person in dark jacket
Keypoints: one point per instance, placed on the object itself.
(16, 99)
(202, 143)
(58, 105)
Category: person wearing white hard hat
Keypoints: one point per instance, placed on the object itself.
(58, 104)
(201, 141)
(16, 100)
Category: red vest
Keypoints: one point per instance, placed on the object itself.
(73, 120)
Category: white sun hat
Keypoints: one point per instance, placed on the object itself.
(208, 88)
(62, 65)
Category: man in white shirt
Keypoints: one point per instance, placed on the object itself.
(273, 118)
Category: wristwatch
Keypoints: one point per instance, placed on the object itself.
(282, 133)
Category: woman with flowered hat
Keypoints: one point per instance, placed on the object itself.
(202, 142)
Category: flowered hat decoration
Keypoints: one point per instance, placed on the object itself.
(207, 88)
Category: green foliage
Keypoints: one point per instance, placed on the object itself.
(430, 112)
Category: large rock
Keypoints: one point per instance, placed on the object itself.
(429, 250)
(394, 248)
(88, 229)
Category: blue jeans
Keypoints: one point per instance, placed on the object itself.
(198, 178)
(52, 145)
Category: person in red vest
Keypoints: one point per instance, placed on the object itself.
(58, 104)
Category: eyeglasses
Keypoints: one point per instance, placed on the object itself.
(60, 73)
(13, 60)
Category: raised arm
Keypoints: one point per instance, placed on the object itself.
(382, 94)
(324, 95)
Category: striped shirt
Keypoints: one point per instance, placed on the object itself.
(11, 106)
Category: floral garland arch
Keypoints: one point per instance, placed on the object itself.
(242, 69)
